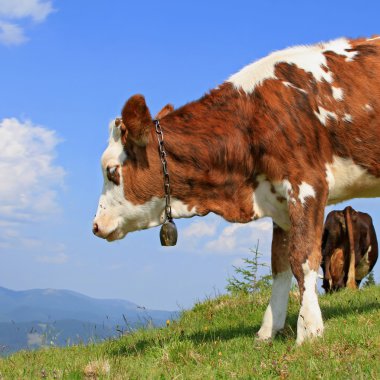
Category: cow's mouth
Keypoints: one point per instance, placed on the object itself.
(115, 235)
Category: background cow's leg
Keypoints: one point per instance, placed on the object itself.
(305, 257)
(327, 251)
(275, 314)
(327, 282)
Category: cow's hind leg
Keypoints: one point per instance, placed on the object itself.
(275, 314)
(305, 257)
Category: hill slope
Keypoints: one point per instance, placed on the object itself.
(215, 340)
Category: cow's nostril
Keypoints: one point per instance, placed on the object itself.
(95, 228)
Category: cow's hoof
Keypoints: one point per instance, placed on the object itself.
(265, 335)
(259, 338)
(306, 334)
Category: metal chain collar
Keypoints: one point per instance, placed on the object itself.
(161, 147)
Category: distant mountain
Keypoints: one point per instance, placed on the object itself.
(32, 318)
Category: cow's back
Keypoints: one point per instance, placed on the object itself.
(317, 109)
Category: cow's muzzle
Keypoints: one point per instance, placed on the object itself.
(109, 235)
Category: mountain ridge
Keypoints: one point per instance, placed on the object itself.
(69, 315)
(48, 304)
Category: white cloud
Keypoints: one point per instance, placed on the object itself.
(31, 243)
(29, 178)
(12, 33)
(199, 229)
(239, 262)
(14, 235)
(60, 258)
(37, 10)
(212, 235)
(237, 238)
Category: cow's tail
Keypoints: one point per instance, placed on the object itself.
(351, 283)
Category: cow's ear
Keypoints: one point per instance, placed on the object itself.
(137, 120)
(165, 111)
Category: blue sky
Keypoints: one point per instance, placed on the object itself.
(66, 69)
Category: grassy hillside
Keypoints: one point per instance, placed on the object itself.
(214, 340)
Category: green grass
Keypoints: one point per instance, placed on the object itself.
(214, 340)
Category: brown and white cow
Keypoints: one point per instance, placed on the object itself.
(349, 248)
(283, 138)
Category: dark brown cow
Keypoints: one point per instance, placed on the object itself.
(349, 249)
(282, 138)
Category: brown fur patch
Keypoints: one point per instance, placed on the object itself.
(137, 120)
(164, 111)
(280, 250)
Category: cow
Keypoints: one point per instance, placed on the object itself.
(349, 249)
(282, 138)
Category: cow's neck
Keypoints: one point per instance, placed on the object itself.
(209, 155)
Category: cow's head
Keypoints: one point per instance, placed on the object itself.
(129, 200)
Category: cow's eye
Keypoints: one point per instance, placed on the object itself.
(113, 174)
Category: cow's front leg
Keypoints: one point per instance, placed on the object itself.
(306, 219)
(275, 314)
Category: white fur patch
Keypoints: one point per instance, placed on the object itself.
(288, 191)
(324, 114)
(373, 39)
(330, 177)
(337, 93)
(275, 314)
(305, 191)
(347, 118)
(340, 47)
(181, 210)
(288, 84)
(309, 58)
(347, 180)
(114, 154)
(266, 199)
(368, 107)
(310, 322)
(266, 203)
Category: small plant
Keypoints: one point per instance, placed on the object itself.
(249, 280)
(370, 280)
